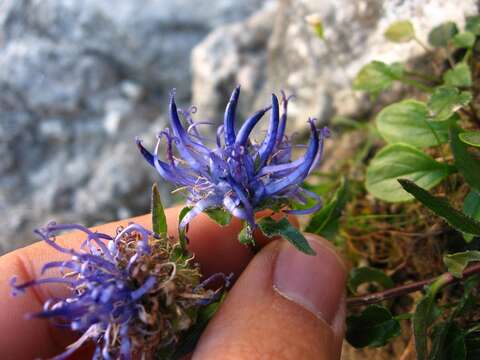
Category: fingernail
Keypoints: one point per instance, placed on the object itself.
(315, 282)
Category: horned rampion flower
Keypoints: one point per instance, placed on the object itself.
(132, 294)
(237, 174)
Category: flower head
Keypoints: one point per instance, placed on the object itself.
(237, 174)
(131, 294)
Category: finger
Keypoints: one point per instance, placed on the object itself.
(215, 247)
(285, 305)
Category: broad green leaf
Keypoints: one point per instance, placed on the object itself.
(362, 275)
(220, 216)
(377, 76)
(408, 122)
(159, 220)
(425, 314)
(466, 163)
(464, 39)
(374, 327)
(402, 161)
(471, 207)
(458, 76)
(456, 263)
(440, 35)
(330, 212)
(445, 100)
(400, 31)
(471, 138)
(442, 208)
(270, 228)
(181, 233)
(473, 24)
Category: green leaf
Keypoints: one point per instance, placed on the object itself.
(459, 76)
(464, 39)
(190, 339)
(159, 220)
(466, 163)
(362, 275)
(181, 233)
(471, 207)
(330, 212)
(445, 100)
(473, 24)
(220, 216)
(270, 228)
(377, 76)
(448, 342)
(425, 314)
(402, 161)
(471, 138)
(456, 263)
(400, 31)
(374, 327)
(246, 235)
(440, 35)
(407, 122)
(315, 21)
(442, 208)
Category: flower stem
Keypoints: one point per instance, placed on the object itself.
(377, 297)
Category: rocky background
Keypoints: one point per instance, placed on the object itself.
(80, 79)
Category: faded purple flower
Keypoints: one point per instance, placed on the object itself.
(131, 294)
(237, 174)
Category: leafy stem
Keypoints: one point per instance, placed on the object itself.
(440, 281)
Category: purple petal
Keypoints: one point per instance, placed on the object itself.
(301, 171)
(229, 118)
(248, 126)
(269, 142)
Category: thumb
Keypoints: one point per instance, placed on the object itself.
(285, 305)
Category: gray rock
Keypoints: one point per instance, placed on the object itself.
(276, 49)
(78, 81)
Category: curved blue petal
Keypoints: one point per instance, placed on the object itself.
(271, 138)
(229, 117)
(248, 126)
(301, 171)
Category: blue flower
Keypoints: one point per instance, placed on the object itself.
(237, 174)
(130, 295)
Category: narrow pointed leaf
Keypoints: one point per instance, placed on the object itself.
(442, 208)
(159, 220)
(181, 232)
(471, 207)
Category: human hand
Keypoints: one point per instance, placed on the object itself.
(285, 305)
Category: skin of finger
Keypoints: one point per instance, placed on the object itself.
(255, 322)
(216, 249)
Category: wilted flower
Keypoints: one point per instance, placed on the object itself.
(132, 294)
(238, 174)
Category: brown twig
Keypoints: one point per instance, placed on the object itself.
(409, 288)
